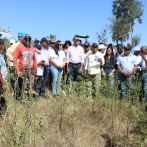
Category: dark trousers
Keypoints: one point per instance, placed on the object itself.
(26, 83)
(37, 85)
(46, 75)
(2, 101)
(74, 75)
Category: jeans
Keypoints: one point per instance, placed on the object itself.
(109, 82)
(37, 85)
(125, 82)
(74, 75)
(57, 75)
(144, 86)
(46, 74)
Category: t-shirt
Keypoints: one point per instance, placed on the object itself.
(3, 69)
(26, 56)
(10, 63)
(57, 59)
(139, 60)
(40, 69)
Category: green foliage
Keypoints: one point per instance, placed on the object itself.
(136, 40)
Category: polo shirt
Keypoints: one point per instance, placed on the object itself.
(127, 63)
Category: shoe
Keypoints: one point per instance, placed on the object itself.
(54, 96)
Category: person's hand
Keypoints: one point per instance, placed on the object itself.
(35, 73)
(20, 74)
(100, 59)
(41, 63)
(68, 71)
(110, 74)
(125, 74)
(4, 88)
(80, 71)
(60, 67)
(104, 74)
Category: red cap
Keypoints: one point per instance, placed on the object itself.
(94, 45)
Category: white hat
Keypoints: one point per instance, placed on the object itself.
(102, 46)
(12, 41)
(136, 49)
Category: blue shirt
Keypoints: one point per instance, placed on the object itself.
(127, 63)
(132, 52)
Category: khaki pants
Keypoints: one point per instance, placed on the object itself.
(94, 82)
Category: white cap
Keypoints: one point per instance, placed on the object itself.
(136, 49)
(12, 41)
(102, 46)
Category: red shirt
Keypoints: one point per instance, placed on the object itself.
(26, 56)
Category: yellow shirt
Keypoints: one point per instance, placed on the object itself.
(93, 66)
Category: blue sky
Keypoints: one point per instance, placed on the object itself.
(62, 18)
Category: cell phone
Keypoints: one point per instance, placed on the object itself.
(43, 61)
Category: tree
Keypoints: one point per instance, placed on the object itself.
(129, 11)
(136, 40)
(53, 36)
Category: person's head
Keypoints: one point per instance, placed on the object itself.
(26, 40)
(52, 40)
(144, 50)
(67, 44)
(136, 51)
(109, 51)
(60, 45)
(12, 41)
(94, 48)
(127, 50)
(20, 36)
(86, 46)
(110, 45)
(102, 48)
(130, 45)
(2, 44)
(76, 41)
(36, 40)
(38, 48)
(103, 43)
(44, 42)
(120, 48)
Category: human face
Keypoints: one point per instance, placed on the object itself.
(109, 51)
(20, 38)
(2, 46)
(94, 50)
(102, 50)
(144, 50)
(120, 49)
(130, 44)
(52, 44)
(26, 42)
(44, 44)
(127, 52)
(76, 41)
(60, 45)
(67, 45)
(86, 48)
(136, 53)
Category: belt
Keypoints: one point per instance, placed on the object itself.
(74, 63)
(107, 68)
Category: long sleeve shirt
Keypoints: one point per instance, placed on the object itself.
(10, 52)
(93, 66)
(75, 54)
(26, 56)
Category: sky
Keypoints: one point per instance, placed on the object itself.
(64, 18)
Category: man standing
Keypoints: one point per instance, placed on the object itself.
(27, 66)
(45, 52)
(131, 46)
(127, 65)
(119, 51)
(86, 52)
(75, 60)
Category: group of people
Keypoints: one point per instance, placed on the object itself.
(33, 65)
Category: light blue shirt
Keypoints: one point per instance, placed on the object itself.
(127, 63)
(132, 52)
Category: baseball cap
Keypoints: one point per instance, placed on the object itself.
(86, 44)
(52, 40)
(136, 49)
(101, 46)
(21, 34)
(94, 45)
(12, 41)
(49, 41)
(27, 36)
(38, 45)
(44, 39)
(127, 48)
(36, 40)
(2, 41)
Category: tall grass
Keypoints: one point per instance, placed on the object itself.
(74, 119)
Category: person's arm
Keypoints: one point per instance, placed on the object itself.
(144, 57)
(103, 73)
(64, 62)
(53, 62)
(10, 53)
(67, 61)
(2, 82)
(134, 69)
(35, 64)
(111, 72)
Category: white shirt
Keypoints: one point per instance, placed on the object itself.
(143, 64)
(3, 70)
(58, 59)
(46, 54)
(139, 60)
(10, 63)
(40, 69)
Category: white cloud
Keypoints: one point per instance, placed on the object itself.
(5, 35)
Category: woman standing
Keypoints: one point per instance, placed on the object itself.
(58, 61)
(108, 69)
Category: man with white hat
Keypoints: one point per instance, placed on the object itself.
(102, 49)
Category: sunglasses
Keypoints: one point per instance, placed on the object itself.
(60, 44)
(52, 42)
(77, 40)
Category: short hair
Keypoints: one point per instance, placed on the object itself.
(120, 45)
(75, 37)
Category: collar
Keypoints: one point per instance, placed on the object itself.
(75, 46)
(87, 52)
